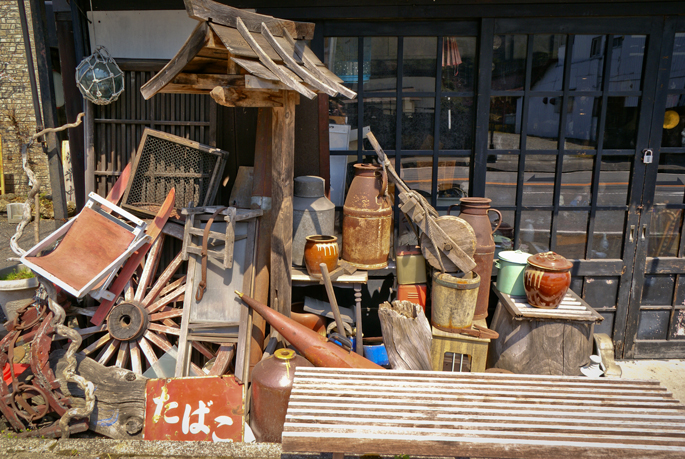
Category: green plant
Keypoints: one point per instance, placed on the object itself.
(17, 275)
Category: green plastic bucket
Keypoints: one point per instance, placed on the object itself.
(511, 264)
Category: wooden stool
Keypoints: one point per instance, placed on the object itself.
(457, 343)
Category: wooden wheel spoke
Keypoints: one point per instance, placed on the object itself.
(170, 314)
(91, 330)
(136, 363)
(98, 344)
(150, 268)
(202, 349)
(164, 329)
(163, 279)
(128, 291)
(161, 302)
(223, 357)
(148, 351)
(108, 352)
(122, 356)
(165, 345)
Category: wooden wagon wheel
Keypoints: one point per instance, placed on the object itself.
(145, 323)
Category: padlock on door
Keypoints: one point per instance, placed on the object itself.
(647, 156)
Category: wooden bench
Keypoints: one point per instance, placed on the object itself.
(481, 415)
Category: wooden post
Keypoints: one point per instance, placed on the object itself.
(47, 95)
(73, 101)
(324, 147)
(89, 173)
(282, 170)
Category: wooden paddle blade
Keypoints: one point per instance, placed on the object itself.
(119, 187)
(153, 230)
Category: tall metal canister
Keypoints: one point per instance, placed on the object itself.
(313, 213)
(367, 219)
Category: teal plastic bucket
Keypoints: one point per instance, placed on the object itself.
(511, 264)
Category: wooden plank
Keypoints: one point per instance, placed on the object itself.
(294, 66)
(190, 48)
(256, 69)
(206, 82)
(183, 356)
(151, 263)
(218, 13)
(223, 358)
(239, 97)
(282, 173)
(242, 361)
(238, 46)
(254, 82)
(270, 64)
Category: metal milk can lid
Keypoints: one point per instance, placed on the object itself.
(309, 186)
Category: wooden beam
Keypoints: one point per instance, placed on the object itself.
(282, 170)
(188, 51)
(271, 65)
(294, 66)
(234, 42)
(241, 97)
(255, 82)
(206, 82)
(209, 10)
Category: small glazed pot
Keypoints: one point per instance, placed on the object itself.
(546, 279)
(320, 249)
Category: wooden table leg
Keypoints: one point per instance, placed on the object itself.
(358, 314)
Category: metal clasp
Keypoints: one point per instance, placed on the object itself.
(647, 156)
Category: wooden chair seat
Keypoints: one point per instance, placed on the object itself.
(91, 244)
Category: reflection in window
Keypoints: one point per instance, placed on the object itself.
(420, 56)
(453, 180)
(674, 117)
(627, 57)
(417, 173)
(538, 180)
(458, 63)
(548, 62)
(670, 179)
(456, 123)
(501, 178)
(535, 231)
(582, 122)
(587, 64)
(572, 233)
(380, 117)
(418, 117)
(341, 55)
(509, 62)
(505, 123)
(614, 178)
(664, 232)
(608, 235)
(380, 55)
(543, 123)
(576, 180)
(621, 122)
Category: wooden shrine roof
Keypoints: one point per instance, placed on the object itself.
(242, 58)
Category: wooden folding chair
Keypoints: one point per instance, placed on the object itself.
(90, 249)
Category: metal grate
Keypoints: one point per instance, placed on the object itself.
(165, 161)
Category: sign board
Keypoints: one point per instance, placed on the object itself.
(194, 409)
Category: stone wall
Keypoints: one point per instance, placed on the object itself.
(17, 117)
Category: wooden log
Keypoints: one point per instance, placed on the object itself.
(282, 170)
(406, 334)
(208, 10)
(120, 407)
(240, 97)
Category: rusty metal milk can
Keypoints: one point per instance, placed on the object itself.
(475, 212)
(367, 219)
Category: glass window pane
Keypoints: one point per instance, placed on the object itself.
(380, 116)
(572, 233)
(621, 122)
(417, 173)
(535, 231)
(582, 122)
(505, 123)
(608, 235)
(614, 178)
(587, 64)
(543, 123)
(627, 56)
(548, 62)
(341, 55)
(504, 236)
(509, 62)
(342, 173)
(576, 180)
(673, 133)
(453, 180)
(500, 179)
(380, 64)
(538, 180)
(418, 117)
(456, 123)
(677, 80)
(670, 179)
(458, 63)
(418, 67)
(664, 232)
(342, 119)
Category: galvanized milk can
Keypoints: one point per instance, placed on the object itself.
(313, 213)
(367, 219)
(453, 300)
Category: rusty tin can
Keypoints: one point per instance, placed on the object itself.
(475, 212)
(367, 219)
(272, 382)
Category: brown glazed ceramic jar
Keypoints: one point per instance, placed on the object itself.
(367, 219)
(272, 382)
(320, 249)
(546, 279)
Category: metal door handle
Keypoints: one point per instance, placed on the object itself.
(644, 232)
(632, 233)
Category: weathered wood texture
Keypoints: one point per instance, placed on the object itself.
(536, 341)
(240, 97)
(406, 334)
(481, 415)
(120, 396)
(457, 343)
(282, 167)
